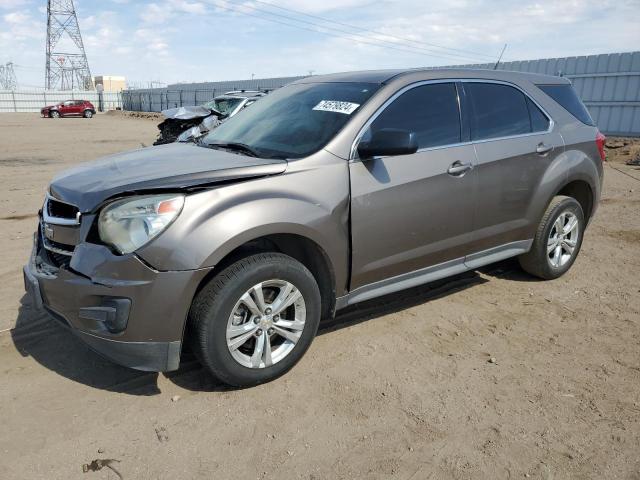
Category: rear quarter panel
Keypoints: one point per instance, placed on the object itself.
(580, 160)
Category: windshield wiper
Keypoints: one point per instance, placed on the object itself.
(238, 147)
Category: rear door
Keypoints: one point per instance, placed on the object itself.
(408, 212)
(515, 144)
(78, 107)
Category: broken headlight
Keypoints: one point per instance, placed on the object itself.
(131, 223)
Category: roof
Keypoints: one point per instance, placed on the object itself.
(386, 76)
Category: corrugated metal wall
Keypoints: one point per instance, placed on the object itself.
(609, 84)
(181, 94)
(33, 101)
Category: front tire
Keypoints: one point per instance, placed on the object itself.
(557, 241)
(54, 114)
(255, 320)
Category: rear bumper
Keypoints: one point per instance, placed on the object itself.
(117, 305)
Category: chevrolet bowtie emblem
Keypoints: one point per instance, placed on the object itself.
(48, 232)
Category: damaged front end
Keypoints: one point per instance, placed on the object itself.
(187, 123)
(88, 269)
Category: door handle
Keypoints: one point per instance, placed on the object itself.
(457, 169)
(543, 149)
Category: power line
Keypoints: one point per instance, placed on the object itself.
(404, 39)
(355, 37)
(431, 53)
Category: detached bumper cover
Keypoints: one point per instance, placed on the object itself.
(96, 282)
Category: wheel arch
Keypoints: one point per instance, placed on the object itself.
(582, 191)
(300, 247)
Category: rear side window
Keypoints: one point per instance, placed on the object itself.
(430, 111)
(497, 111)
(539, 121)
(567, 97)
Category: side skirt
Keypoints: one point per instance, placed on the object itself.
(433, 273)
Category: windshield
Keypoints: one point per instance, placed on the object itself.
(294, 121)
(224, 105)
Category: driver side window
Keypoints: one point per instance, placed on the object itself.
(430, 111)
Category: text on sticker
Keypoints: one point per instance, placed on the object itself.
(336, 106)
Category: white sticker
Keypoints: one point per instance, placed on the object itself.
(336, 106)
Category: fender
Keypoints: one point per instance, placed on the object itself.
(215, 222)
(572, 165)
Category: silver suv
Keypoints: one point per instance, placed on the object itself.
(328, 192)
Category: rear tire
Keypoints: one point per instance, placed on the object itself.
(255, 320)
(88, 114)
(557, 241)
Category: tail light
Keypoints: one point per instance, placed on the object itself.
(600, 139)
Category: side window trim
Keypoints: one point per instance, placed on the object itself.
(465, 112)
(463, 109)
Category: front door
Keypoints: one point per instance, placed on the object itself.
(414, 211)
(66, 108)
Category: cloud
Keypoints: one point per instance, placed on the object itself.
(16, 18)
(202, 40)
(8, 4)
(158, 13)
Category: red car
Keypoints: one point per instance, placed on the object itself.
(69, 108)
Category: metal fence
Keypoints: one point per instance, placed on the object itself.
(609, 85)
(33, 101)
(184, 94)
(158, 99)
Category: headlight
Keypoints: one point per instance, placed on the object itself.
(131, 223)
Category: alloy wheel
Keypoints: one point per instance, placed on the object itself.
(563, 239)
(266, 323)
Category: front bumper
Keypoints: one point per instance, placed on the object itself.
(119, 306)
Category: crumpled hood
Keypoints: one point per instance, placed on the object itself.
(49, 107)
(175, 166)
(187, 113)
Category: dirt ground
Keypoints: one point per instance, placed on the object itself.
(400, 387)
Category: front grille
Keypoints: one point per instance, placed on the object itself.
(58, 209)
(58, 260)
(56, 254)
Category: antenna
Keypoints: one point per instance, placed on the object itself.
(67, 66)
(8, 79)
(495, 67)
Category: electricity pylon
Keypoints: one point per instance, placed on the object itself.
(8, 79)
(67, 65)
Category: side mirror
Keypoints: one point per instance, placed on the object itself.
(388, 142)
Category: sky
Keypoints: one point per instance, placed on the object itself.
(172, 41)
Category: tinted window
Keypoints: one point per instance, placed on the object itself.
(294, 121)
(497, 111)
(431, 111)
(539, 121)
(566, 96)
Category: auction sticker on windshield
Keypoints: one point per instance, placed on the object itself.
(336, 106)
